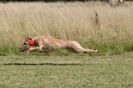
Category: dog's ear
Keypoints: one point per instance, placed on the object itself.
(27, 38)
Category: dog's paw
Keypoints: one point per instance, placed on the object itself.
(95, 51)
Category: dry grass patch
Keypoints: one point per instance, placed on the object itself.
(95, 25)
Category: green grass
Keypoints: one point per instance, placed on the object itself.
(110, 31)
(76, 71)
(111, 48)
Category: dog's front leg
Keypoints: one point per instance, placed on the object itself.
(34, 48)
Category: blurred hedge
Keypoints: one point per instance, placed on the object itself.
(46, 0)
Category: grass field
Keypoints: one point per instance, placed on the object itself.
(93, 24)
(66, 71)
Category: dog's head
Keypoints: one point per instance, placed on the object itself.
(26, 44)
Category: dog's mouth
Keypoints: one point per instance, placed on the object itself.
(23, 48)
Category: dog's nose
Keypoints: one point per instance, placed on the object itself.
(20, 49)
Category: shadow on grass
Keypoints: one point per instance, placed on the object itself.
(60, 64)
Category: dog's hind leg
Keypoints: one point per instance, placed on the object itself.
(78, 48)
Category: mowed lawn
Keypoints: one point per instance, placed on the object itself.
(76, 71)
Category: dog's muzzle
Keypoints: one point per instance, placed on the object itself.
(23, 48)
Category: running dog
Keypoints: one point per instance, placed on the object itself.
(39, 42)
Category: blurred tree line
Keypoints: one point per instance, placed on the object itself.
(48, 0)
(52, 0)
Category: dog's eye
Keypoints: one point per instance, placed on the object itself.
(25, 43)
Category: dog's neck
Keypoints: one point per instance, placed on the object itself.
(32, 42)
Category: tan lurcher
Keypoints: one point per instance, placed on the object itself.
(39, 42)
